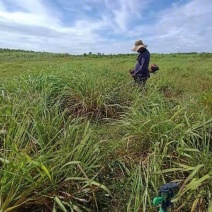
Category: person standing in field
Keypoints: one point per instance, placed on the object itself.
(141, 72)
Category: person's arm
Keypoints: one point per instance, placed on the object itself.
(139, 70)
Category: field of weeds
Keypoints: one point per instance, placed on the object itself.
(77, 135)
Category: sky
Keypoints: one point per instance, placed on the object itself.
(106, 26)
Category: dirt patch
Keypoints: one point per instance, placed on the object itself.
(171, 93)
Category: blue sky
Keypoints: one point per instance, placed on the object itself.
(106, 26)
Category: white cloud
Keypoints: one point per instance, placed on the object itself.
(185, 27)
(39, 30)
(125, 11)
(32, 13)
(180, 28)
(40, 25)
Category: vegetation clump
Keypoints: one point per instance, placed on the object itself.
(82, 137)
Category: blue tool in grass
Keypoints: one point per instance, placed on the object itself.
(166, 194)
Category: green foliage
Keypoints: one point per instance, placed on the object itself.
(77, 135)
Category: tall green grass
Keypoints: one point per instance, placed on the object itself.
(46, 156)
(81, 137)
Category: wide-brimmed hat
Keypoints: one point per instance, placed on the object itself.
(138, 44)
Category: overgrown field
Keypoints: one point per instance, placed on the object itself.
(77, 135)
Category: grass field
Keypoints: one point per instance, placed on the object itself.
(77, 135)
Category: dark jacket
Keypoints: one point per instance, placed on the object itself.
(142, 65)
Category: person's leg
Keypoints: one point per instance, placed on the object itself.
(143, 80)
(137, 81)
(141, 83)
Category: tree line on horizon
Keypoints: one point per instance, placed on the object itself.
(8, 50)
